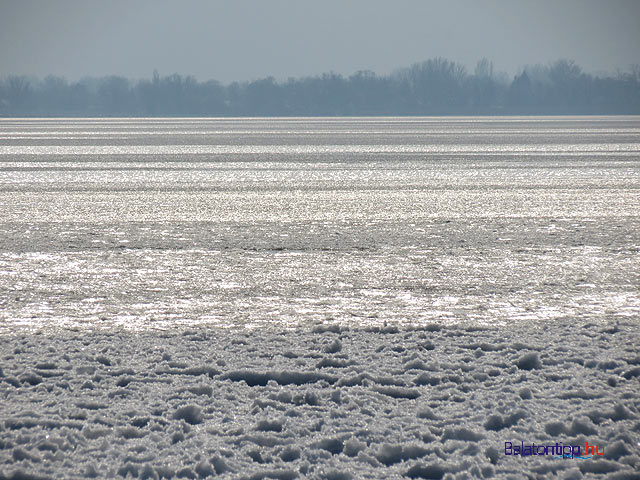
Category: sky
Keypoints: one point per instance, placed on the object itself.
(238, 40)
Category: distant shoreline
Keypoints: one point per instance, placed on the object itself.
(434, 87)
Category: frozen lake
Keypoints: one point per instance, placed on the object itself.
(154, 223)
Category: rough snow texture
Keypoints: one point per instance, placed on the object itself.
(329, 403)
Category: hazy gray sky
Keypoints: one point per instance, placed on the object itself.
(248, 39)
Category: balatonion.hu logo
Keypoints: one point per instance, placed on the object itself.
(559, 450)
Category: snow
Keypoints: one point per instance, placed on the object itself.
(328, 402)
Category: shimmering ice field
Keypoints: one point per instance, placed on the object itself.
(153, 223)
(331, 299)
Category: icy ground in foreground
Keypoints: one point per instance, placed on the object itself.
(329, 403)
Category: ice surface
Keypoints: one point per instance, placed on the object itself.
(318, 298)
(230, 404)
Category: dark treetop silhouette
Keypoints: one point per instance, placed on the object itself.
(434, 87)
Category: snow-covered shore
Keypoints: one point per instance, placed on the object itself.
(328, 403)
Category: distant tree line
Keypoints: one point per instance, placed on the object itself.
(434, 87)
